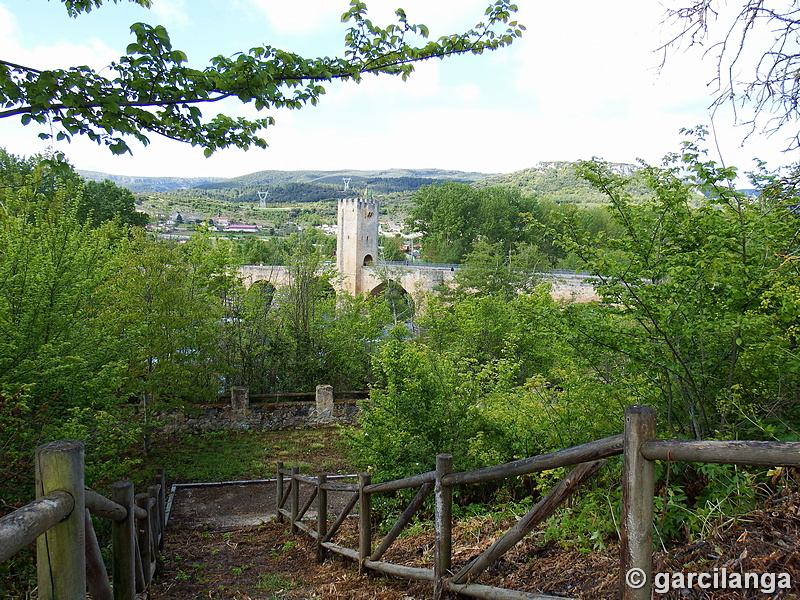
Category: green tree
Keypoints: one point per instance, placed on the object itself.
(246, 339)
(105, 200)
(152, 89)
(479, 329)
(61, 375)
(32, 182)
(488, 380)
(52, 268)
(254, 251)
(392, 248)
(164, 304)
(498, 219)
(684, 289)
(349, 340)
(416, 410)
(491, 269)
(444, 214)
(453, 216)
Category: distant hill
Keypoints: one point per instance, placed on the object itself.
(290, 186)
(357, 178)
(320, 190)
(555, 181)
(149, 185)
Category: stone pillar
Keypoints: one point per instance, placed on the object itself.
(240, 398)
(325, 401)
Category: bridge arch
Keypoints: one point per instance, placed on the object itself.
(262, 292)
(399, 300)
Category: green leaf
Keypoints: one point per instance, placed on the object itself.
(119, 147)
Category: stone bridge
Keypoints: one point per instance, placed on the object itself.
(417, 279)
(361, 273)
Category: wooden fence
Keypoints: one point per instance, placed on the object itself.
(638, 444)
(67, 552)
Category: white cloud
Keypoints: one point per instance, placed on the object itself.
(171, 11)
(300, 16)
(577, 63)
(468, 93)
(8, 27)
(440, 17)
(59, 55)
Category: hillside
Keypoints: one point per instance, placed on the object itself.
(148, 185)
(394, 187)
(555, 181)
(357, 177)
(316, 192)
(306, 186)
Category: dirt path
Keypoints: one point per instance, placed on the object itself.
(235, 505)
(263, 563)
(223, 542)
(227, 557)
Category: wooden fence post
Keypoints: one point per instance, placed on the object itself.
(322, 516)
(96, 573)
(443, 525)
(61, 551)
(279, 493)
(638, 489)
(295, 504)
(364, 520)
(145, 533)
(161, 479)
(155, 518)
(123, 537)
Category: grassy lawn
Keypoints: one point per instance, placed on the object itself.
(231, 456)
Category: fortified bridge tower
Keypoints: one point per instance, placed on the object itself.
(357, 243)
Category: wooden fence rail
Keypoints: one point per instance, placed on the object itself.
(637, 444)
(68, 557)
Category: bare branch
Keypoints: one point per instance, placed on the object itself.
(758, 62)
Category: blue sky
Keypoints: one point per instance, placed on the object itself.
(584, 81)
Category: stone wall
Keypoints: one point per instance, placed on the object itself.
(240, 415)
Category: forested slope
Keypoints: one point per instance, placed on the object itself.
(557, 182)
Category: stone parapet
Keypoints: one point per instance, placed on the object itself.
(269, 417)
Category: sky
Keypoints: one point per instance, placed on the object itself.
(584, 81)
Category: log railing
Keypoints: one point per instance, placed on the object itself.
(68, 555)
(637, 444)
(440, 482)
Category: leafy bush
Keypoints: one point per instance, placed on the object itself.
(419, 408)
